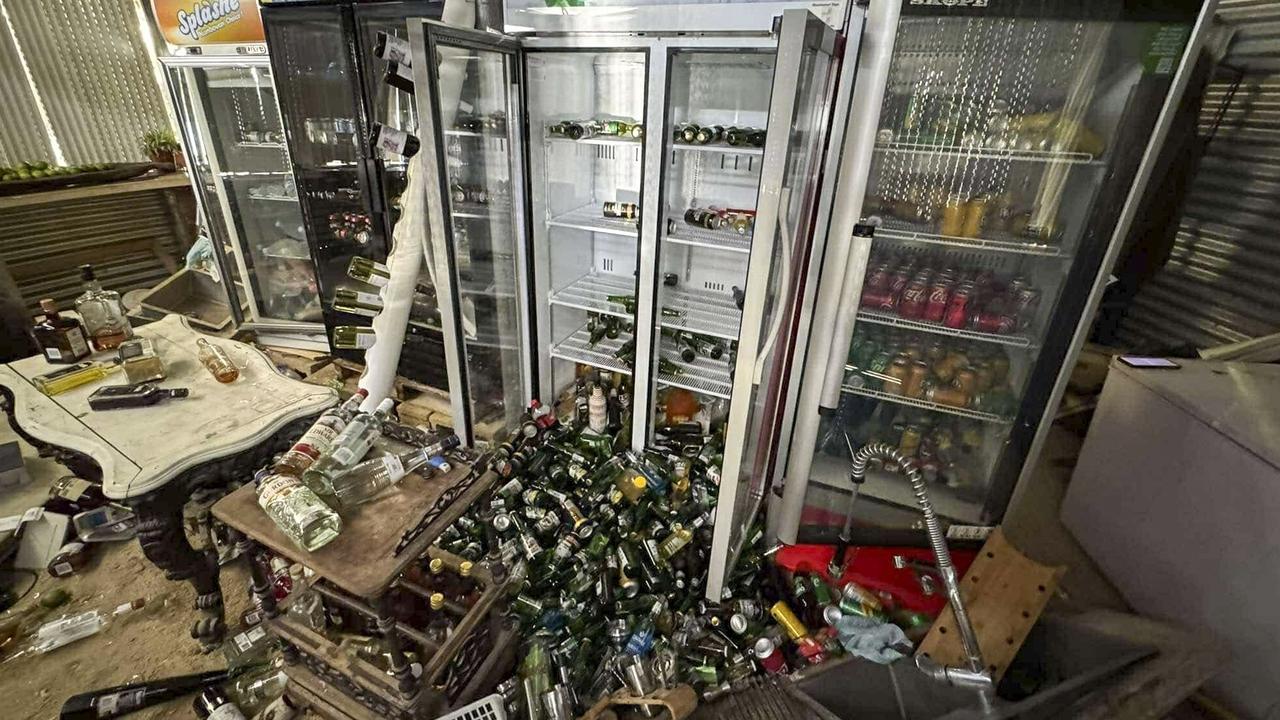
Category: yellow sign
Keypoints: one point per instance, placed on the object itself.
(209, 22)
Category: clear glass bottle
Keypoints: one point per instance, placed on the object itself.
(364, 481)
(347, 449)
(298, 512)
(320, 436)
(102, 312)
(62, 340)
(216, 361)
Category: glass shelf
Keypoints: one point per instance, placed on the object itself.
(577, 348)
(590, 291)
(983, 153)
(925, 405)
(728, 240)
(883, 318)
(588, 218)
(705, 313)
(910, 232)
(627, 142)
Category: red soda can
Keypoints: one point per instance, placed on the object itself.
(935, 307)
(878, 278)
(877, 299)
(1025, 304)
(957, 313)
(769, 656)
(995, 321)
(914, 297)
(899, 281)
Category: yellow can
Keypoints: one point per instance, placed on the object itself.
(786, 617)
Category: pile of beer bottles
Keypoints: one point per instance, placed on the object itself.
(607, 551)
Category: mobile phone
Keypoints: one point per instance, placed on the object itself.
(1152, 363)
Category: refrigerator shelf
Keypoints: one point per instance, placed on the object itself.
(275, 198)
(925, 405)
(718, 148)
(909, 232)
(605, 140)
(703, 375)
(588, 218)
(577, 348)
(249, 144)
(705, 313)
(981, 153)
(478, 211)
(883, 318)
(683, 233)
(502, 287)
(589, 292)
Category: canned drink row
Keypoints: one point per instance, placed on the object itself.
(959, 298)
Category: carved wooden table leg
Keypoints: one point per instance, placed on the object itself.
(391, 639)
(164, 542)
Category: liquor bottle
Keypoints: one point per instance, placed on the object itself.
(363, 482)
(213, 703)
(390, 48)
(621, 210)
(353, 337)
(598, 414)
(102, 312)
(348, 448)
(356, 302)
(400, 77)
(736, 136)
(73, 376)
(440, 626)
(70, 495)
(216, 360)
(319, 437)
(679, 538)
(392, 140)
(299, 513)
(368, 271)
(115, 397)
(689, 133)
(121, 700)
(708, 134)
(62, 340)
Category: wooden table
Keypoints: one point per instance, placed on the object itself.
(156, 458)
(378, 542)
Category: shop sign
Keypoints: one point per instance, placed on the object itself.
(209, 22)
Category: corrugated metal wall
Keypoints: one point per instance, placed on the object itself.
(92, 72)
(1222, 282)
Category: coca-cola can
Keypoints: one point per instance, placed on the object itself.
(957, 312)
(994, 321)
(914, 298)
(1025, 304)
(878, 278)
(899, 281)
(769, 656)
(935, 307)
(877, 299)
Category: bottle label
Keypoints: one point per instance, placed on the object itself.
(363, 340)
(227, 712)
(395, 468)
(120, 702)
(396, 49)
(53, 353)
(276, 488)
(365, 298)
(62, 569)
(76, 339)
(316, 440)
(376, 280)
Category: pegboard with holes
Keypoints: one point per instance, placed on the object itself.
(1004, 593)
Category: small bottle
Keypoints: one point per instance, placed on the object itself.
(356, 302)
(363, 482)
(393, 140)
(320, 436)
(216, 360)
(298, 512)
(597, 411)
(102, 312)
(73, 376)
(347, 449)
(62, 340)
(440, 626)
(213, 703)
(70, 559)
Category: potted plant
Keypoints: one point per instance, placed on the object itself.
(162, 148)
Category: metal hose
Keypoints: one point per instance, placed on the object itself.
(941, 553)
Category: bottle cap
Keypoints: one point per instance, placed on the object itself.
(386, 405)
(464, 568)
(436, 566)
(437, 601)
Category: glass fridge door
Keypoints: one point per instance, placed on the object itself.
(472, 154)
(777, 221)
(1008, 143)
(231, 127)
(586, 109)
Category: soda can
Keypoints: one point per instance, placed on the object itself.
(914, 385)
(914, 297)
(900, 372)
(952, 223)
(899, 280)
(935, 307)
(831, 615)
(994, 322)
(953, 397)
(975, 216)
(966, 379)
(877, 299)
(956, 315)
(769, 656)
(786, 617)
(878, 278)
(1025, 303)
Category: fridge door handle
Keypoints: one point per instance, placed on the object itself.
(775, 323)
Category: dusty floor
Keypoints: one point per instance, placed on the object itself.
(154, 643)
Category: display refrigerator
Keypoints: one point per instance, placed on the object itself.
(632, 210)
(230, 124)
(332, 91)
(1001, 150)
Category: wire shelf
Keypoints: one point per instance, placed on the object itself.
(703, 375)
(925, 405)
(683, 233)
(590, 291)
(607, 140)
(910, 232)
(588, 218)
(718, 148)
(984, 153)
(577, 348)
(882, 318)
(706, 313)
